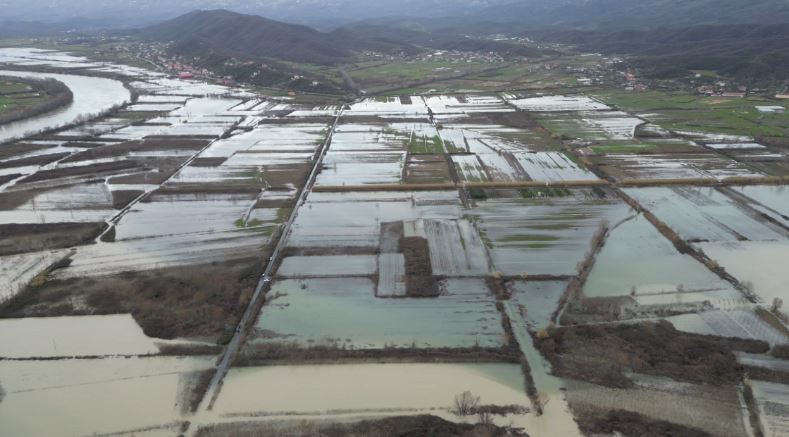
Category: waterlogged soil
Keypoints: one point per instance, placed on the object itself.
(22, 238)
(602, 354)
(629, 424)
(193, 301)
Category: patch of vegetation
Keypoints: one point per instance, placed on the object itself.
(25, 98)
(399, 426)
(478, 193)
(22, 238)
(242, 223)
(629, 424)
(420, 281)
(407, 70)
(538, 193)
(693, 112)
(425, 145)
(121, 198)
(602, 354)
(191, 301)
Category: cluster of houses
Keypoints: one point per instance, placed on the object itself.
(723, 89)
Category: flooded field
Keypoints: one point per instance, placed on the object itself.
(757, 263)
(770, 200)
(741, 322)
(773, 400)
(680, 166)
(593, 125)
(345, 313)
(348, 388)
(556, 103)
(81, 336)
(712, 409)
(547, 236)
(658, 270)
(85, 397)
(705, 214)
(354, 219)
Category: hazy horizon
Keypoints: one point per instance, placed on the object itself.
(315, 12)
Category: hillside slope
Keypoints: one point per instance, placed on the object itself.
(229, 33)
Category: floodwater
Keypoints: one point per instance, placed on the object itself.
(543, 236)
(772, 401)
(45, 337)
(737, 323)
(92, 95)
(328, 265)
(366, 387)
(702, 213)
(761, 264)
(770, 200)
(16, 271)
(556, 418)
(658, 268)
(95, 396)
(344, 312)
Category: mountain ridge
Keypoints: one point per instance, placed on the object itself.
(232, 33)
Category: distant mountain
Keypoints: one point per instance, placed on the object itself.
(636, 13)
(754, 52)
(517, 16)
(16, 29)
(233, 34)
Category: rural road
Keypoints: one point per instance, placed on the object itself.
(263, 285)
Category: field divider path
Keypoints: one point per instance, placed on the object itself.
(116, 218)
(233, 347)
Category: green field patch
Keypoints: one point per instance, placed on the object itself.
(411, 70)
(693, 112)
(536, 193)
(425, 145)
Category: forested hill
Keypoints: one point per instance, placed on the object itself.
(230, 33)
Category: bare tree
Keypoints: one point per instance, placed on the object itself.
(465, 403)
(777, 304)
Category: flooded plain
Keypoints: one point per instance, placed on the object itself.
(379, 301)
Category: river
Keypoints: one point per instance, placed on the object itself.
(92, 95)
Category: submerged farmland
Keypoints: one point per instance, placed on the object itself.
(208, 260)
